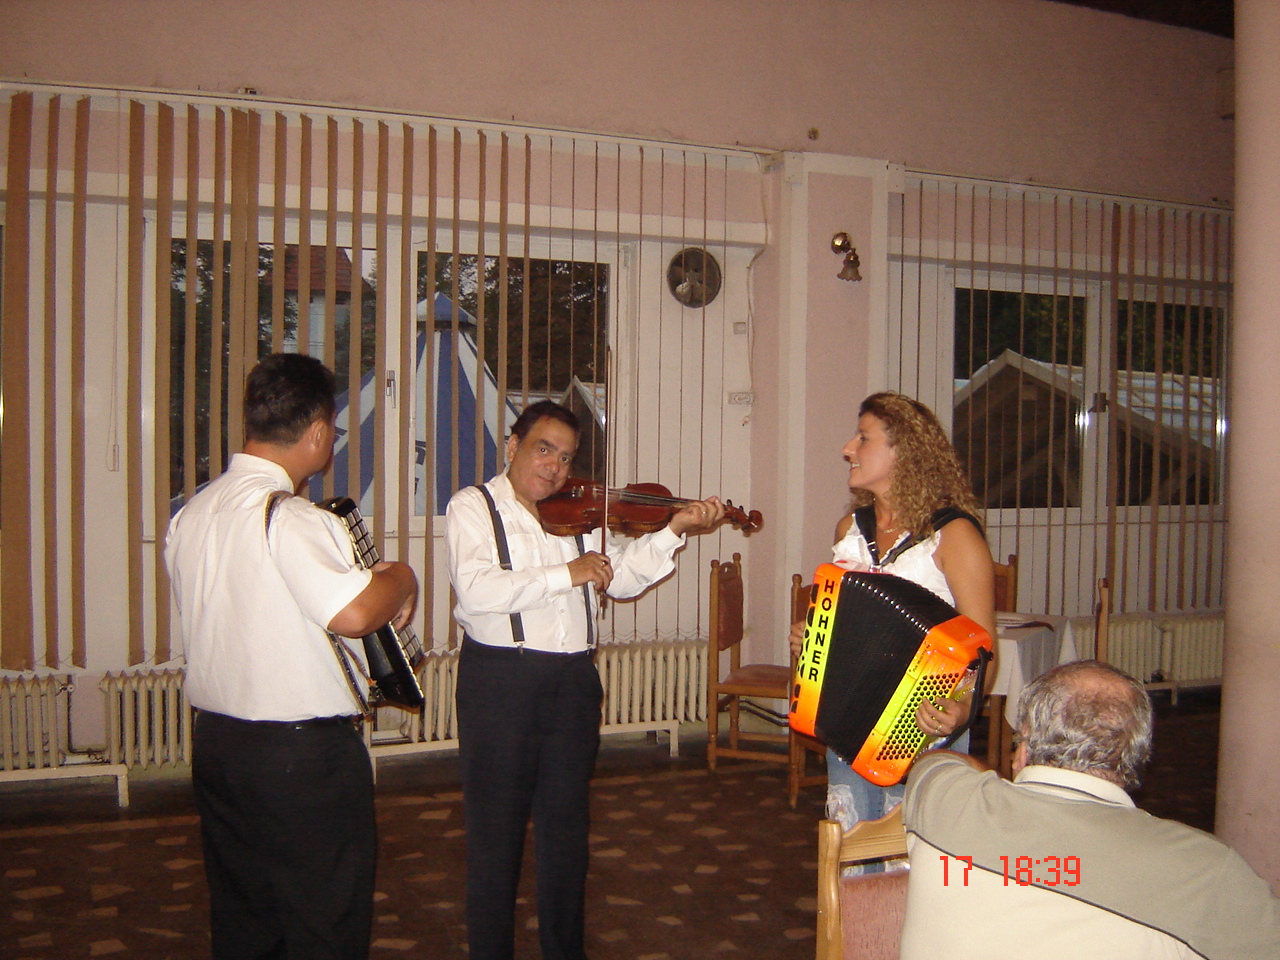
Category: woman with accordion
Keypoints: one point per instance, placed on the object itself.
(913, 516)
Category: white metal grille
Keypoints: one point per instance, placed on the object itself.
(1076, 346)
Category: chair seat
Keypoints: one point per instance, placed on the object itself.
(727, 691)
(758, 675)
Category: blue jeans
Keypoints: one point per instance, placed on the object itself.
(851, 797)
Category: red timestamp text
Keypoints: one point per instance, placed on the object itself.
(1023, 871)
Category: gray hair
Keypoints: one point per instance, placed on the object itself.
(1087, 716)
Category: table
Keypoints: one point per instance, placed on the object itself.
(1027, 645)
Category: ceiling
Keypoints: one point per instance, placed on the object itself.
(1210, 16)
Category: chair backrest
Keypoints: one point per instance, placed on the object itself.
(1007, 584)
(726, 603)
(800, 593)
(1102, 620)
(860, 918)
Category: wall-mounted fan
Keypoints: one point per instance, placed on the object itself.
(693, 276)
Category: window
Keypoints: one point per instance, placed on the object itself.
(536, 330)
(201, 455)
(1167, 403)
(1082, 377)
(1019, 359)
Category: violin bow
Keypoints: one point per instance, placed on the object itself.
(608, 458)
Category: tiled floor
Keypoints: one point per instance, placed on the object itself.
(685, 864)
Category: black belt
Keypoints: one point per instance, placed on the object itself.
(343, 720)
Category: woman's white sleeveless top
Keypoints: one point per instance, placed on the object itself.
(914, 564)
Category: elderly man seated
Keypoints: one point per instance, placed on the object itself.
(1059, 863)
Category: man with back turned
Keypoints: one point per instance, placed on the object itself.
(1059, 863)
(282, 780)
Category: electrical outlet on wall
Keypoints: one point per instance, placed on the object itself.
(741, 396)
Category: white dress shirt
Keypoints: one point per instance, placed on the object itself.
(253, 614)
(539, 586)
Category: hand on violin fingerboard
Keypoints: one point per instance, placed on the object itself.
(698, 516)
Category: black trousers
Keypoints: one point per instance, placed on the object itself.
(528, 731)
(286, 816)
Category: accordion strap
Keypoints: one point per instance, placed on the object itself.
(975, 703)
(865, 517)
(339, 648)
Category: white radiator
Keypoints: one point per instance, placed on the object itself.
(1164, 651)
(34, 735)
(1133, 642)
(148, 718)
(1194, 649)
(647, 686)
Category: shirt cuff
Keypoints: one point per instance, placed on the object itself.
(667, 539)
(559, 579)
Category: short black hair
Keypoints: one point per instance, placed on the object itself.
(548, 409)
(285, 394)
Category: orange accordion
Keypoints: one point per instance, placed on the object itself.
(875, 645)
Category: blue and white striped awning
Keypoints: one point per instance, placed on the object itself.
(455, 374)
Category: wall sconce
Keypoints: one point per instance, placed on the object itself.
(841, 243)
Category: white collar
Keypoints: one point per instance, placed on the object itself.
(248, 463)
(502, 488)
(1061, 782)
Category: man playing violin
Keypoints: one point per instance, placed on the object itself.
(528, 692)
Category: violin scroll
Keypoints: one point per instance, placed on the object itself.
(747, 522)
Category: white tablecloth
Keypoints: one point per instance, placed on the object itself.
(1028, 644)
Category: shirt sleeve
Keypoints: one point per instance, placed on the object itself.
(316, 558)
(929, 767)
(640, 563)
(481, 585)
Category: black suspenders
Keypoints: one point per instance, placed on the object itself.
(504, 560)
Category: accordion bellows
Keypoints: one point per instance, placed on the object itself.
(875, 645)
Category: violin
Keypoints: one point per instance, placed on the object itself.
(583, 505)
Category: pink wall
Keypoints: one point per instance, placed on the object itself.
(1025, 90)
(837, 357)
(1010, 90)
(1248, 812)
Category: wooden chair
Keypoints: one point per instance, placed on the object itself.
(767, 681)
(999, 733)
(860, 918)
(801, 746)
(1007, 584)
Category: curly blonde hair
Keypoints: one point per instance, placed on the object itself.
(926, 473)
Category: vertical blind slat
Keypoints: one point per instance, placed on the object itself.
(17, 649)
(304, 236)
(163, 372)
(408, 341)
(49, 376)
(278, 248)
(79, 247)
(355, 320)
(477, 427)
(133, 378)
(329, 335)
(218, 405)
(190, 304)
(382, 393)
